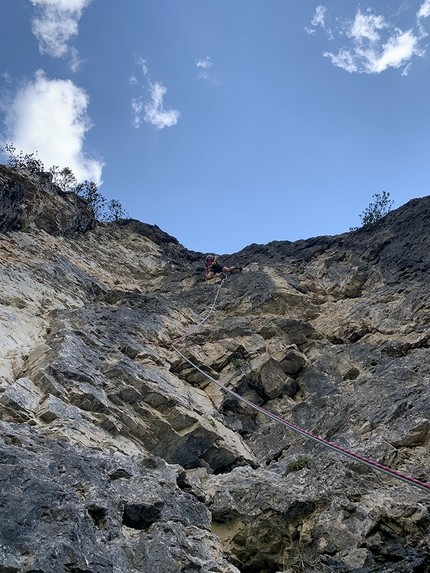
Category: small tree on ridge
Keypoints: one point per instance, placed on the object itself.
(380, 206)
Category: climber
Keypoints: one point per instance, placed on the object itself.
(213, 267)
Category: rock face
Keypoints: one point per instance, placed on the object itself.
(11, 200)
(45, 206)
(117, 456)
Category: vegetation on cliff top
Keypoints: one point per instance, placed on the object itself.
(67, 182)
(112, 210)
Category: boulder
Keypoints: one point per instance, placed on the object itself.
(272, 379)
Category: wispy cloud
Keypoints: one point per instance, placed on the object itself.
(142, 63)
(137, 107)
(55, 24)
(406, 69)
(204, 74)
(424, 11)
(75, 61)
(50, 116)
(375, 42)
(206, 63)
(6, 77)
(152, 111)
(366, 27)
(318, 17)
(155, 112)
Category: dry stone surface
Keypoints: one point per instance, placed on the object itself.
(116, 456)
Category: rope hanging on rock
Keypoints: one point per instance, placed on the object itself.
(343, 451)
(194, 328)
(205, 318)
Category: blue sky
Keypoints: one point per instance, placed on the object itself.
(225, 122)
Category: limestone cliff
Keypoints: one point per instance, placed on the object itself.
(117, 457)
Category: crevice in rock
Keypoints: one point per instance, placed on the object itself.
(277, 456)
(98, 515)
(141, 516)
(252, 547)
(119, 473)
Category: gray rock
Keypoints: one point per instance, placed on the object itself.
(63, 508)
(293, 362)
(12, 212)
(274, 382)
(35, 199)
(117, 456)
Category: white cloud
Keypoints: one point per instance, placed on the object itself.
(75, 60)
(344, 59)
(319, 16)
(206, 63)
(49, 116)
(366, 26)
(424, 11)
(155, 113)
(204, 75)
(318, 19)
(396, 52)
(56, 24)
(377, 45)
(406, 70)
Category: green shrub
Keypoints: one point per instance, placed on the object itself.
(298, 464)
(115, 211)
(88, 190)
(380, 206)
(65, 179)
(25, 161)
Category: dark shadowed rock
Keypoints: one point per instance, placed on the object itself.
(45, 206)
(152, 232)
(12, 213)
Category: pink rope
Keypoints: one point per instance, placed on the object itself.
(343, 451)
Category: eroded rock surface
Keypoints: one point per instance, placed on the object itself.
(117, 456)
